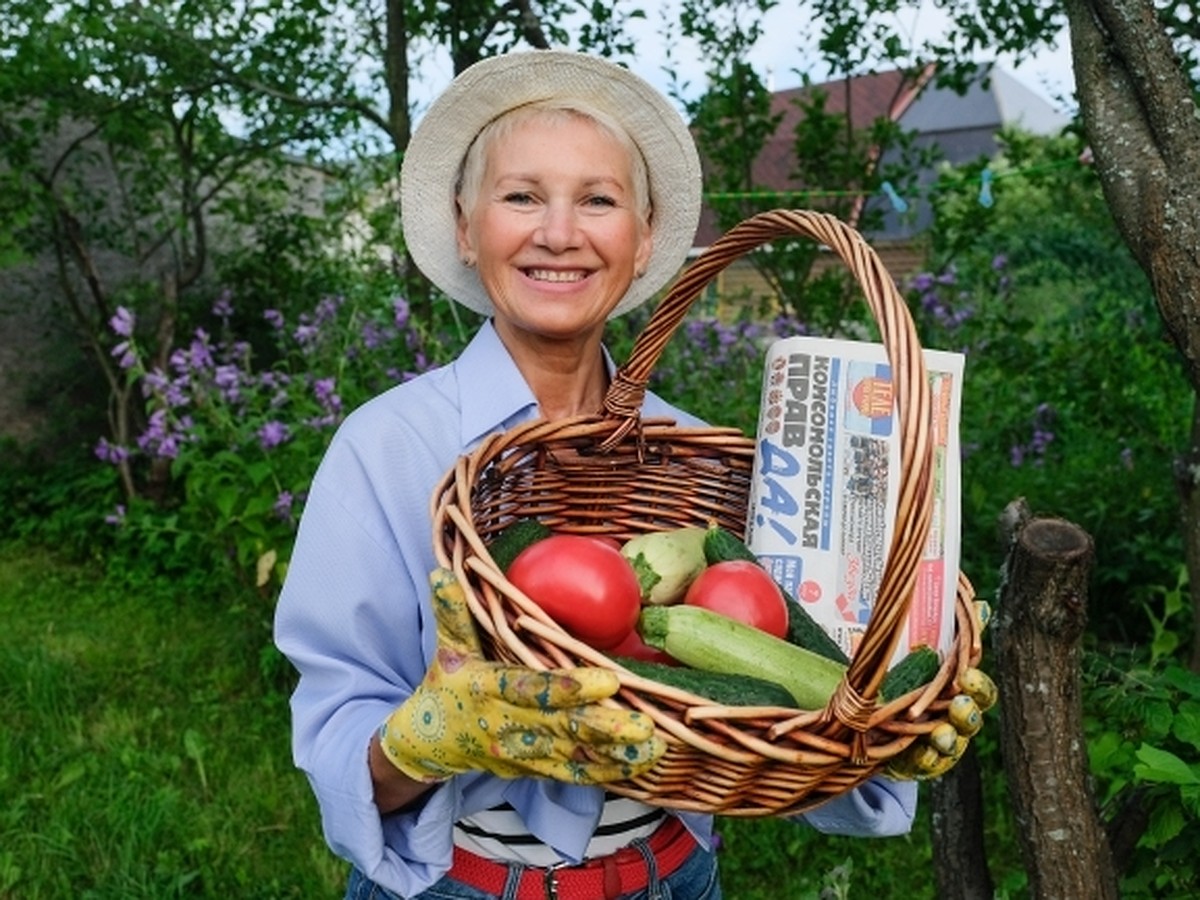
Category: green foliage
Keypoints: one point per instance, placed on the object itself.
(1070, 383)
(139, 140)
(1143, 733)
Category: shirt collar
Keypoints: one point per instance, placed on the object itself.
(492, 393)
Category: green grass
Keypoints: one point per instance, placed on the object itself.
(144, 754)
(143, 751)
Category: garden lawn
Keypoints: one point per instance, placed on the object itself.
(144, 754)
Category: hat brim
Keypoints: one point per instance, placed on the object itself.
(499, 84)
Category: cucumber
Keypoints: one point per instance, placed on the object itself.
(514, 538)
(721, 545)
(714, 643)
(721, 688)
(803, 631)
(914, 671)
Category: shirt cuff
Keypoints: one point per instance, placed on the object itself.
(879, 807)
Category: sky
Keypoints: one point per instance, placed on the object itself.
(778, 55)
(778, 52)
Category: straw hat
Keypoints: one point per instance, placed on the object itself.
(499, 84)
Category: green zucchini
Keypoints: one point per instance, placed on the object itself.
(711, 642)
(915, 670)
(714, 643)
(514, 538)
(666, 562)
(803, 631)
(721, 688)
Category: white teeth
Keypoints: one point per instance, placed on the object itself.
(554, 275)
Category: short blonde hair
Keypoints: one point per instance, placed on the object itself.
(470, 174)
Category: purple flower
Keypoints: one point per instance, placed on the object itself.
(117, 516)
(305, 334)
(228, 379)
(111, 453)
(175, 395)
(154, 382)
(283, 505)
(122, 323)
(197, 356)
(272, 434)
(372, 335)
(126, 357)
(326, 310)
(159, 439)
(223, 307)
(922, 282)
(323, 389)
(400, 312)
(274, 318)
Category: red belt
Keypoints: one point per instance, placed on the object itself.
(603, 877)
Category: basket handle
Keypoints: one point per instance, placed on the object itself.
(912, 397)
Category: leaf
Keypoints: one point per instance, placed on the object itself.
(225, 499)
(1167, 820)
(193, 745)
(69, 775)
(1161, 766)
(1186, 726)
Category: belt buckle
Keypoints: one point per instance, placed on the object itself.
(550, 879)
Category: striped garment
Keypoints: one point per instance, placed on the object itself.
(498, 833)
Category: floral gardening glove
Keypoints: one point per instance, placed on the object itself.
(935, 753)
(471, 714)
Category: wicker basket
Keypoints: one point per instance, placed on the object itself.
(619, 474)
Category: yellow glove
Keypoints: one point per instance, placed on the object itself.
(473, 714)
(935, 753)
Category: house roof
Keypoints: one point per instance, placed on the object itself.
(963, 127)
(864, 99)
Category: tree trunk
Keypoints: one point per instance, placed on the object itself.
(1037, 634)
(959, 853)
(1136, 101)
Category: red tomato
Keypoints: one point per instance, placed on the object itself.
(605, 539)
(584, 584)
(742, 590)
(633, 647)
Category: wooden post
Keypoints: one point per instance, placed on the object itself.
(1036, 634)
(959, 854)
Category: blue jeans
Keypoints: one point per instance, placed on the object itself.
(696, 879)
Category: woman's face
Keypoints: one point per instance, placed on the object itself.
(555, 231)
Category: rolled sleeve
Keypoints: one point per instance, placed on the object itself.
(879, 807)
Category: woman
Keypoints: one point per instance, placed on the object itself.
(550, 191)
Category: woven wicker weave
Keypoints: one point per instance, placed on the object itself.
(619, 474)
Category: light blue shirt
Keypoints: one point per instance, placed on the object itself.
(355, 620)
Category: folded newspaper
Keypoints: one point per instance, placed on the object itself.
(823, 498)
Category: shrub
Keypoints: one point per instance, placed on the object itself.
(223, 465)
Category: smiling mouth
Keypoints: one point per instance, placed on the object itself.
(556, 275)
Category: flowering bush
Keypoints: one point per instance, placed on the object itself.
(233, 433)
(1069, 387)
